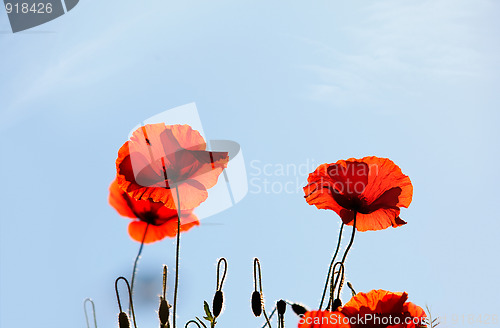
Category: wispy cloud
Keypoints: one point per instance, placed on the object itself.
(74, 66)
(395, 46)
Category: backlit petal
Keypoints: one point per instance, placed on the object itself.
(136, 229)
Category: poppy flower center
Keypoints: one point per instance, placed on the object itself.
(150, 217)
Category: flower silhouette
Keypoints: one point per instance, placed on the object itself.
(381, 309)
(374, 188)
(159, 220)
(160, 160)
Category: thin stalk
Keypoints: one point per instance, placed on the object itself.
(341, 274)
(331, 267)
(265, 316)
(177, 251)
(352, 239)
(270, 316)
(134, 270)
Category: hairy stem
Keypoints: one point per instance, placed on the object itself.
(352, 239)
(331, 266)
(177, 251)
(134, 270)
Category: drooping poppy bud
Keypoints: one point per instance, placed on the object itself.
(336, 304)
(257, 303)
(217, 303)
(281, 306)
(123, 321)
(299, 310)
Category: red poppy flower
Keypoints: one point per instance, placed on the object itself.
(383, 309)
(159, 158)
(374, 188)
(162, 220)
(324, 319)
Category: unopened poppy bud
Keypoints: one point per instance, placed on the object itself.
(217, 303)
(257, 303)
(164, 311)
(123, 321)
(281, 306)
(336, 303)
(299, 309)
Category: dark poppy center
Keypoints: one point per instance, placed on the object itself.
(150, 217)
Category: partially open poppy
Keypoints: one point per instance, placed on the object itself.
(383, 309)
(323, 319)
(160, 221)
(374, 188)
(160, 160)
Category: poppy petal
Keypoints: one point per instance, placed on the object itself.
(159, 158)
(322, 198)
(415, 312)
(378, 220)
(188, 138)
(318, 191)
(208, 173)
(384, 304)
(349, 177)
(191, 193)
(147, 140)
(136, 229)
(130, 178)
(375, 301)
(385, 175)
(119, 203)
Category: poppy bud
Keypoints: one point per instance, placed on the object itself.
(123, 321)
(217, 303)
(164, 311)
(299, 309)
(336, 303)
(257, 303)
(281, 306)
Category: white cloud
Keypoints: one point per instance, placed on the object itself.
(397, 46)
(74, 65)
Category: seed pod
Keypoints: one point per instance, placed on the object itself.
(281, 306)
(336, 304)
(217, 303)
(163, 311)
(299, 310)
(257, 303)
(123, 321)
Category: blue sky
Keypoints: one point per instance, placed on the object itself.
(293, 83)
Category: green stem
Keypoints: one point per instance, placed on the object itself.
(352, 239)
(134, 270)
(331, 266)
(177, 251)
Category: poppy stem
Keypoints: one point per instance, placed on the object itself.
(131, 309)
(336, 282)
(177, 251)
(134, 270)
(270, 317)
(331, 266)
(256, 269)
(341, 274)
(93, 312)
(265, 316)
(352, 239)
